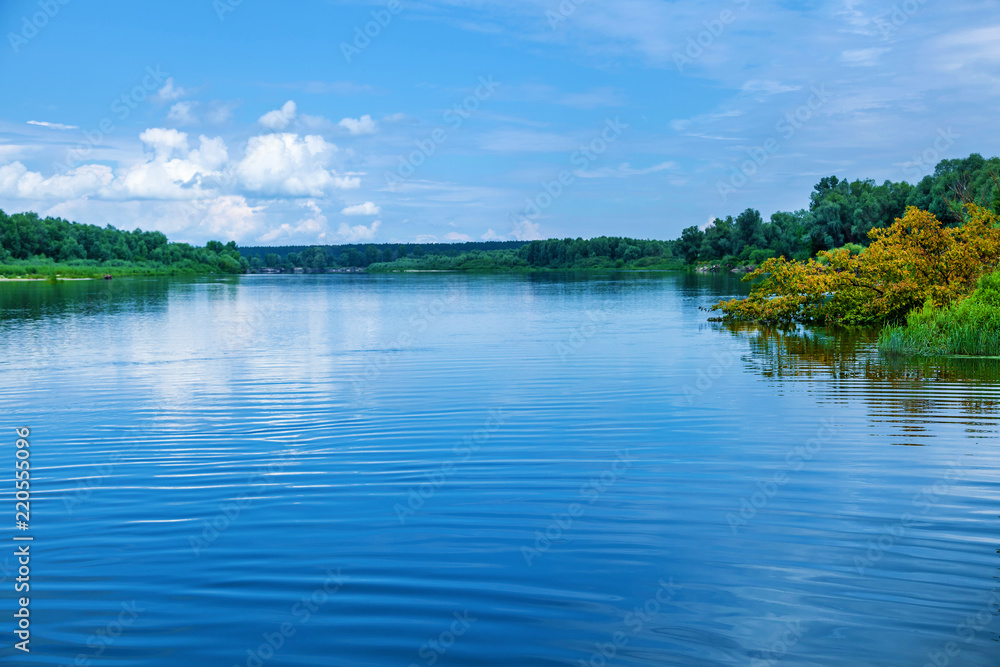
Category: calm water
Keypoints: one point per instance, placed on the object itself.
(433, 470)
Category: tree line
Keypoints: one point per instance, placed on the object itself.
(842, 213)
(320, 257)
(603, 252)
(32, 243)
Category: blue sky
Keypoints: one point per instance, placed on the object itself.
(284, 123)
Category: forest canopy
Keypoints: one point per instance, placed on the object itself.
(30, 244)
(842, 213)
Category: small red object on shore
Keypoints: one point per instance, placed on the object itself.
(107, 276)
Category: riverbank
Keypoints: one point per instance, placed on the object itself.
(91, 270)
(970, 327)
(39, 278)
(487, 265)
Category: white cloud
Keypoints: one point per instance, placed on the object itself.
(194, 190)
(172, 171)
(175, 172)
(357, 233)
(368, 208)
(164, 142)
(525, 230)
(183, 113)
(53, 126)
(347, 182)
(286, 164)
(356, 126)
(312, 228)
(170, 92)
(211, 155)
(456, 237)
(230, 217)
(17, 182)
(279, 119)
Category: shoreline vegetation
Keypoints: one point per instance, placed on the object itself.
(52, 249)
(928, 277)
(934, 289)
(917, 260)
(967, 328)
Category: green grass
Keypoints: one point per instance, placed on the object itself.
(969, 328)
(46, 269)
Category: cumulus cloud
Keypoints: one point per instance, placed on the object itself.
(287, 164)
(368, 208)
(525, 230)
(175, 172)
(356, 126)
(16, 182)
(281, 118)
(164, 142)
(171, 170)
(312, 227)
(228, 216)
(192, 187)
(456, 237)
(211, 155)
(357, 233)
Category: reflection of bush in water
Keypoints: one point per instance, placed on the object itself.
(848, 352)
(905, 391)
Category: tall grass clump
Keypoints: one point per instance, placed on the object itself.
(970, 327)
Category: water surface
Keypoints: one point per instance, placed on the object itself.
(490, 470)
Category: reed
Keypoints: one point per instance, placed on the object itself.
(971, 327)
